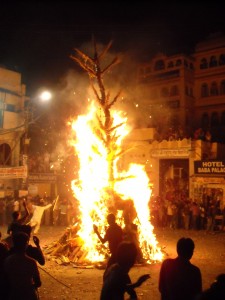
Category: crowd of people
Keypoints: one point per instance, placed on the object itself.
(188, 214)
(179, 279)
(45, 210)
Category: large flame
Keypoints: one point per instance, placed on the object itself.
(92, 187)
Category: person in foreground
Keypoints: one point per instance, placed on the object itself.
(22, 271)
(34, 252)
(178, 278)
(216, 290)
(117, 281)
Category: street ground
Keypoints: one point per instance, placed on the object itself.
(62, 282)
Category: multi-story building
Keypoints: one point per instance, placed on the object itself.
(183, 100)
(12, 128)
(186, 91)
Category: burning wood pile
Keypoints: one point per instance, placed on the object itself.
(102, 186)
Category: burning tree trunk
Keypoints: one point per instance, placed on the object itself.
(106, 130)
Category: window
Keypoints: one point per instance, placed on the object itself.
(170, 64)
(5, 157)
(222, 87)
(223, 118)
(213, 62)
(205, 121)
(214, 89)
(178, 62)
(214, 119)
(191, 66)
(10, 107)
(159, 65)
(204, 90)
(204, 63)
(222, 60)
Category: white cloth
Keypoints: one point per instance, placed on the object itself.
(37, 216)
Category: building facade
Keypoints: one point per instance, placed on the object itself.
(186, 92)
(183, 104)
(12, 128)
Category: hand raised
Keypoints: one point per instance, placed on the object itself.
(142, 279)
(95, 228)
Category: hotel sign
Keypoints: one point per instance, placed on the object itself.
(210, 167)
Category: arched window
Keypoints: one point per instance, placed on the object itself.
(204, 90)
(164, 92)
(204, 63)
(223, 118)
(222, 60)
(170, 64)
(214, 119)
(159, 65)
(205, 121)
(222, 87)
(213, 62)
(174, 90)
(178, 62)
(214, 89)
(191, 92)
(185, 63)
(191, 66)
(5, 157)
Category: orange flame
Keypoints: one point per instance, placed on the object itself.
(91, 189)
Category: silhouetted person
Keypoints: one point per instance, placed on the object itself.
(34, 252)
(179, 279)
(117, 281)
(216, 290)
(22, 271)
(3, 281)
(113, 235)
(17, 220)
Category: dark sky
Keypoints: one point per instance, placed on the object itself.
(36, 38)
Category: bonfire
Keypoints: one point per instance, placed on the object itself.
(102, 186)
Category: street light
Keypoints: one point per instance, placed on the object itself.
(31, 118)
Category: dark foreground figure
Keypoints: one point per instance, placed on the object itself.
(179, 279)
(117, 281)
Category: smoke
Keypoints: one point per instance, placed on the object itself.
(74, 93)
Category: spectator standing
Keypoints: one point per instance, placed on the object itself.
(22, 271)
(113, 235)
(179, 279)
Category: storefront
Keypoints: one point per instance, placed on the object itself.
(209, 181)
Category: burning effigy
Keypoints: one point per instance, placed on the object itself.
(102, 187)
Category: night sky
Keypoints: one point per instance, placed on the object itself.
(37, 37)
